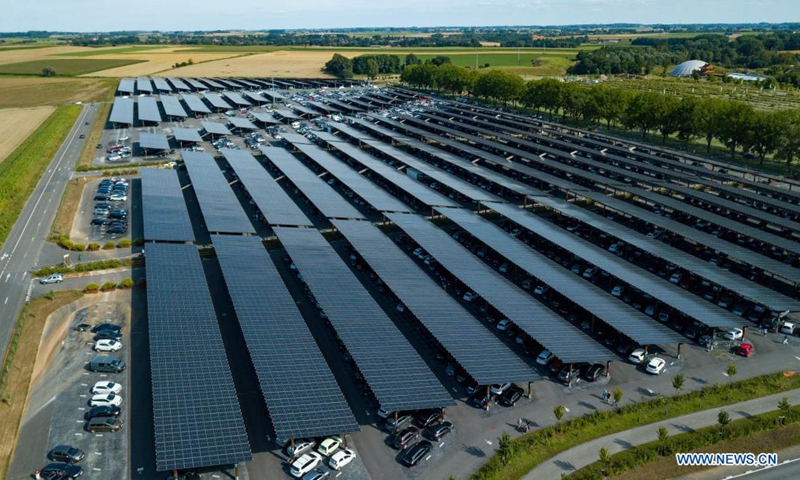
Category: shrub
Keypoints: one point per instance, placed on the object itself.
(115, 173)
(124, 243)
(138, 242)
(108, 286)
(93, 247)
(92, 288)
(64, 242)
(126, 283)
(82, 168)
(78, 247)
(106, 173)
(109, 245)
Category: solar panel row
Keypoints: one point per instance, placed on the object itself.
(172, 106)
(148, 110)
(195, 104)
(163, 208)
(122, 111)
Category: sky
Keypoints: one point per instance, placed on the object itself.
(169, 15)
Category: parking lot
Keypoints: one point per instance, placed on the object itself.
(83, 229)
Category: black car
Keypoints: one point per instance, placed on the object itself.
(568, 374)
(100, 221)
(480, 398)
(510, 397)
(102, 197)
(438, 431)
(594, 372)
(104, 411)
(66, 454)
(99, 146)
(119, 230)
(61, 470)
(82, 327)
(118, 213)
(404, 437)
(106, 326)
(427, 418)
(108, 335)
(102, 204)
(416, 452)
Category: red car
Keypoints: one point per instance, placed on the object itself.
(744, 350)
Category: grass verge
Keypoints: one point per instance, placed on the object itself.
(533, 448)
(20, 369)
(767, 432)
(86, 267)
(62, 225)
(20, 171)
(95, 135)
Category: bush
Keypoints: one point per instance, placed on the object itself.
(124, 243)
(92, 288)
(82, 168)
(108, 286)
(93, 247)
(82, 267)
(138, 242)
(115, 173)
(78, 247)
(64, 242)
(106, 173)
(126, 283)
(109, 245)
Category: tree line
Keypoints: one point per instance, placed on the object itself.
(373, 66)
(736, 125)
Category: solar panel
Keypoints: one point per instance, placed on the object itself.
(201, 87)
(127, 85)
(195, 104)
(417, 190)
(215, 128)
(217, 101)
(285, 113)
(148, 110)
(296, 138)
(397, 376)
(364, 188)
(350, 131)
(229, 83)
(196, 414)
(143, 85)
(242, 123)
(482, 355)
(581, 292)
(172, 106)
(122, 111)
(328, 137)
(153, 141)
(212, 83)
(163, 207)
(307, 403)
(324, 198)
(186, 135)
(556, 334)
(256, 97)
(221, 209)
(344, 106)
(305, 111)
(237, 99)
(248, 83)
(266, 118)
(178, 84)
(274, 203)
(273, 96)
(162, 85)
(324, 107)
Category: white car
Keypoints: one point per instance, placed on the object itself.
(106, 400)
(342, 458)
(503, 324)
(107, 345)
(637, 356)
(54, 278)
(470, 296)
(545, 357)
(383, 413)
(329, 445)
(617, 290)
(305, 464)
(300, 447)
(656, 366)
(541, 290)
(101, 388)
(498, 389)
(118, 198)
(733, 334)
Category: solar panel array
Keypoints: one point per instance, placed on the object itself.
(212, 83)
(195, 104)
(127, 85)
(215, 128)
(624, 318)
(308, 402)
(186, 135)
(161, 84)
(179, 84)
(327, 201)
(256, 97)
(217, 101)
(350, 131)
(397, 376)
(197, 418)
(482, 355)
(273, 96)
(285, 113)
(143, 85)
(237, 99)
(148, 110)
(244, 123)
(267, 118)
(153, 141)
(172, 106)
(361, 186)
(221, 209)
(271, 199)
(163, 207)
(200, 87)
(553, 332)
(292, 138)
(122, 111)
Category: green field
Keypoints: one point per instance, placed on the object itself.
(5, 48)
(382, 50)
(65, 67)
(92, 53)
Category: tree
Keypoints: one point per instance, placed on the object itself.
(666, 116)
(686, 118)
(605, 459)
(611, 103)
(677, 382)
(372, 69)
(500, 85)
(451, 78)
(723, 418)
(644, 112)
(558, 412)
(339, 66)
(784, 405)
(710, 119)
(789, 141)
(505, 447)
(412, 59)
(48, 72)
(617, 393)
(735, 125)
(663, 434)
(440, 60)
(731, 370)
(765, 134)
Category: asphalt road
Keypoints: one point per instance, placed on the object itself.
(21, 250)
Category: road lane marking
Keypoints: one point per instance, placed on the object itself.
(5, 301)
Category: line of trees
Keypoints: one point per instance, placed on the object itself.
(736, 125)
(374, 65)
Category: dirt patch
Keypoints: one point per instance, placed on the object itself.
(16, 124)
(21, 369)
(153, 62)
(33, 91)
(62, 225)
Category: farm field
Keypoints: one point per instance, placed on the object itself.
(278, 64)
(92, 51)
(64, 66)
(17, 123)
(548, 63)
(31, 53)
(34, 91)
(150, 62)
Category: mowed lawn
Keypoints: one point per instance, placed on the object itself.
(63, 67)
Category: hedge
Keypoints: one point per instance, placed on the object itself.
(82, 267)
(92, 287)
(124, 243)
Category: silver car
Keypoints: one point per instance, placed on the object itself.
(54, 278)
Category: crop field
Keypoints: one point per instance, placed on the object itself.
(30, 53)
(16, 124)
(148, 63)
(18, 92)
(278, 64)
(525, 64)
(759, 98)
(91, 52)
(64, 66)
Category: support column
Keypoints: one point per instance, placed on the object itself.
(608, 368)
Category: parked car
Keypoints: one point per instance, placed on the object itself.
(568, 374)
(60, 470)
(656, 366)
(480, 398)
(545, 357)
(594, 372)
(117, 230)
(300, 447)
(510, 397)
(106, 387)
(329, 445)
(404, 437)
(101, 211)
(118, 213)
(618, 290)
(498, 389)
(393, 424)
(66, 454)
(118, 197)
(100, 221)
(733, 334)
(414, 454)
(744, 350)
(104, 424)
(427, 418)
(101, 197)
(438, 431)
(107, 345)
(470, 296)
(106, 326)
(503, 324)
(637, 356)
(106, 364)
(317, 474)
(341, 458)
(54, 278)
(305, 464)
(106, 400)
(103, 411)
(108, 335)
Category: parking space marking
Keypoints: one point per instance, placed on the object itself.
(489, 442)
(338, 474)
(79, 421)
(441, 445)
(79, 434)
(83, 396)
(428, 458)
(81, 408)
(84, 384)
(97, 469)
(98, 453)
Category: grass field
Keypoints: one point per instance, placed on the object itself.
(21, 371)
(154, 62)
(16, 124)
(20, 171)
(106, 51)
(62, 224)
(33, 91)
(17, 55)
(22, 47)
(64, 67)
